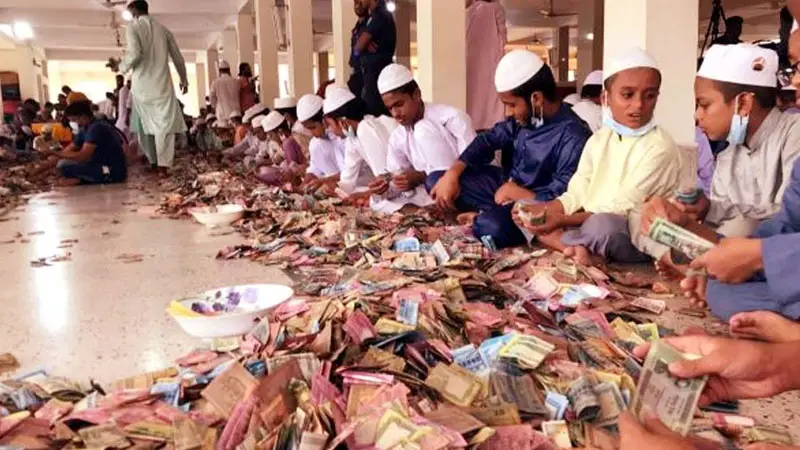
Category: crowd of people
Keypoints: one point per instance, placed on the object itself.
(587, 175)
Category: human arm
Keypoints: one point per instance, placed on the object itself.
(460, 126)
(672, 212)
(82, 154)
(352, 165)
(133, 50)
(652, 435)
(569, 155)
(178, 61)
(481, 150)
(789, 214)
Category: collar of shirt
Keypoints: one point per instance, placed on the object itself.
(766, 130)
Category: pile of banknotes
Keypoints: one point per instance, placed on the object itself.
(405, 333)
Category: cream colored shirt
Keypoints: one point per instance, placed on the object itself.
(616, 174)
(590, 112)
(750, 179)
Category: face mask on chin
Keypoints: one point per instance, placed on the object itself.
(739, 123)
(76, 128)
(622, 130)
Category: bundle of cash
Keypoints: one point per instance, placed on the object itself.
(652, 305)
(678, 238)
(671, 399)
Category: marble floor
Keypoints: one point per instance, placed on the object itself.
(96, 316)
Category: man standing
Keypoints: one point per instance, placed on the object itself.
(356, 82)
(124, 106)
(486, 45)
(157, 116)
(376, 45)
(225, 95)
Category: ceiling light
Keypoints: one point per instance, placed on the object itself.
(23, 31)
(391, 6)
(126, 15)
(589, 36)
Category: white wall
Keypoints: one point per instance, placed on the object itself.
(19, 58)
(94, 79)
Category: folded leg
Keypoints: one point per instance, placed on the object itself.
(499, 224)
(478, 186)
(605, 235)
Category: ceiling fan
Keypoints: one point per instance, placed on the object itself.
(550, 13)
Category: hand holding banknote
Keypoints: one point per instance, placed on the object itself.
(661, 207)
(732, 261)
(737, 369)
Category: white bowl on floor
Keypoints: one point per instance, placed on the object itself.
(255, 300)
(222, 215)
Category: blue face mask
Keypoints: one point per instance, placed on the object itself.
(738, 131)
(622, 130)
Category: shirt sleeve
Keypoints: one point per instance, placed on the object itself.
(481, 151)
(569, 155)
(352, 165)
(133, 50)
(177, 58)
(658, 175)
(460, 126)
(705, 163)
(396, 158)
(789, 214)
(578, 187)
(316, 159)
(780, 254)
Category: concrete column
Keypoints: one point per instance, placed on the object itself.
(560, 64)
(212, 58)
(202, 86)
(344, 19)
(590, 38)
(441, 50)
(646, 24)
(322, 67)
(230, 44)
(301, 48)
(267, 50)
(245, 41)
(402, 19)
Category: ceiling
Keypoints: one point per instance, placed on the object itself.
(87, 26)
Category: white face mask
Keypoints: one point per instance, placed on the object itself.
(75, 127)
(622, 130)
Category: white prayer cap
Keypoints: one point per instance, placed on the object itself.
(335, 98)
(235, 115)
(572, 99)
(394, 76)
(309, 106)
(745, 64)
(285, 102)
(594, 78)
(632, 58)
(224, 65)
(516, 67)
(252, 112)
(272, 121)
(257, 122)
(210, 117)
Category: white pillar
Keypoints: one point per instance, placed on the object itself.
(202, 87)
(402, 19)
(667, 29)
(590, 38)
(212, 60)
(230, 44)
(301, 48)
(344, 19)
(267, 50)
(441, 50)
(561, 46)
(245, 39)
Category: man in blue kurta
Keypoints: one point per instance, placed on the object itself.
(541, 142)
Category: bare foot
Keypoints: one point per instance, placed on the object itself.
(580, 254)
(668, 270)
(694, 288)
(764, 326)
(466, 219)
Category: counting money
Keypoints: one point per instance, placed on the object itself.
(678, 238)
(658, 393)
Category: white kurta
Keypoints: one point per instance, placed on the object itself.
(369, 148)
(125, 105)
(106, 108)
(149, 47)
(432, 144)
(590, 112)
(225, 98)
(327, 156)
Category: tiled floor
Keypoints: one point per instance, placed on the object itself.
(96, 316)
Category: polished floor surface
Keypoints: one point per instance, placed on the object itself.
(101, 314)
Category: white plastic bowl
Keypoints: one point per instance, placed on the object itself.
(256, 300)
(223, 216)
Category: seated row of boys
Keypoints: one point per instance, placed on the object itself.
(589, 190)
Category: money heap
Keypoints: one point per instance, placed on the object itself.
(405, 333)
